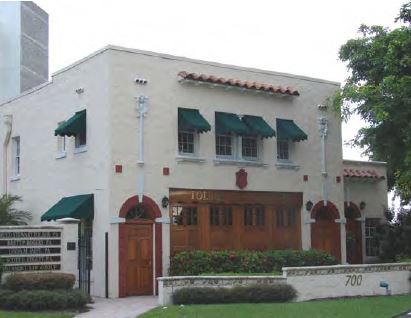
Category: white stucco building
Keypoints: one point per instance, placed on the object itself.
(164, 153)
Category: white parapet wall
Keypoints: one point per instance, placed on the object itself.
(349, 280)
(168, 285)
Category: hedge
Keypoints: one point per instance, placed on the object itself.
(39, 281)
(198, 262)
(241, 294)
(42, 299)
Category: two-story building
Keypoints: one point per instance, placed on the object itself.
(157, 154)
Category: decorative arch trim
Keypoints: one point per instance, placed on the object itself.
(355, 207)
(330, 208)
(154, 212)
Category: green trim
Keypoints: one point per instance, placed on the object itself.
(75, 125)
(287, 129)
(227, 123)
(76, 207)
(258, 126)
(191, 119)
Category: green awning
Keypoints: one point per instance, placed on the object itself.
(287, 129)
(73, 126)
(227, 123)
(191, 119)
(258, 126)
(76, 207)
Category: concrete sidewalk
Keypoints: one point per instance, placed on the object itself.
(128, 307)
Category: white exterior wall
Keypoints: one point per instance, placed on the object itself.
(44, 179)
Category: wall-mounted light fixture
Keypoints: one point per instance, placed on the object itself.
(164, 202)
(80, 90)
(362, 205)
(309, 205)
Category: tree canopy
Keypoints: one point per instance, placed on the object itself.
(379, 90)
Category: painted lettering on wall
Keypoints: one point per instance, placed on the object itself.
(24, 250)
(204, 196)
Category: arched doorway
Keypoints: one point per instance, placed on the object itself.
(140, 261)
(325, 232)
(353, 233)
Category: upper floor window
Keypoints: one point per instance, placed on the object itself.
(249, 147)
(287, 132)
(224, 145)
(74, 126)
(15, 143)
(190, 124)
(81, 139)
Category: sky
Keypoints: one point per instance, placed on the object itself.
(293, 36)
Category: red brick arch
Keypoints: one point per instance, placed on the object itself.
(154, 212)
(325, 232)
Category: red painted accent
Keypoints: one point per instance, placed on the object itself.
(119, 168)
(166, 171)
(331, 208)
(338, 179)
(241, 178)
(305, 177)
(154, 212)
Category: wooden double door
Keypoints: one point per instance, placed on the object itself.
(139, 263)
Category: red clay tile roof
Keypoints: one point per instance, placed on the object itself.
(355, 173)
(237, 83)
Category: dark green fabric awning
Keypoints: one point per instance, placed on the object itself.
(76, 207)
(73, 126)
(258, 126)
(227, 123)
(286, 128)
(191, 119)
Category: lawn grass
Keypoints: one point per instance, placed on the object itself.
(366, 307)
(21, 314)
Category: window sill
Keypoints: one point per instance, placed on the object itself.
(15, 178)
(186, 158)
(287, 165)
(80, 149)
(61, 155)
(253, 163)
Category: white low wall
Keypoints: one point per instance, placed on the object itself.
(168, 285)
(348, 280)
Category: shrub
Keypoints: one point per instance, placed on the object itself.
(1, 269)
(39, 281)
(198, 262)
(42, 299)
(240, 294)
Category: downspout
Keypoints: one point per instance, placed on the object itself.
(8, 122)
(323, 121)
(141, 113)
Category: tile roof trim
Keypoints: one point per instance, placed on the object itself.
(248, 85)
(362, 174)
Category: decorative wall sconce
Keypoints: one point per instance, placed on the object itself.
(362, 205)
(309, 205)
(164, 202)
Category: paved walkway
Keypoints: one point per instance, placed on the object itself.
(128, 307)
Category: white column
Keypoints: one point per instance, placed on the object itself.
(141, 112)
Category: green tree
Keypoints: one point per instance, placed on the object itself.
(9, 215)
(379, 90)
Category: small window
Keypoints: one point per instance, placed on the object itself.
(61, 142)
(292, 218)
(186, 142)
(214, 216)
(81, 140)
(137, 212)
(16, 155)
(227, 216)
(184, 215)
(259, 216)
(248, 216)
(371, 242)
(191, 216)
(224, 145)
(280, 217)
(250, 147)
(283, 149)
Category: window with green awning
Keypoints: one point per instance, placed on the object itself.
(76, 207)
(75, 125)
(227, 123)
(258, 126)
(191, 119)
(287, 129)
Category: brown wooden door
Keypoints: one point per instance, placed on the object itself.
(325, 236)
(139, 259)
(354, 241)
